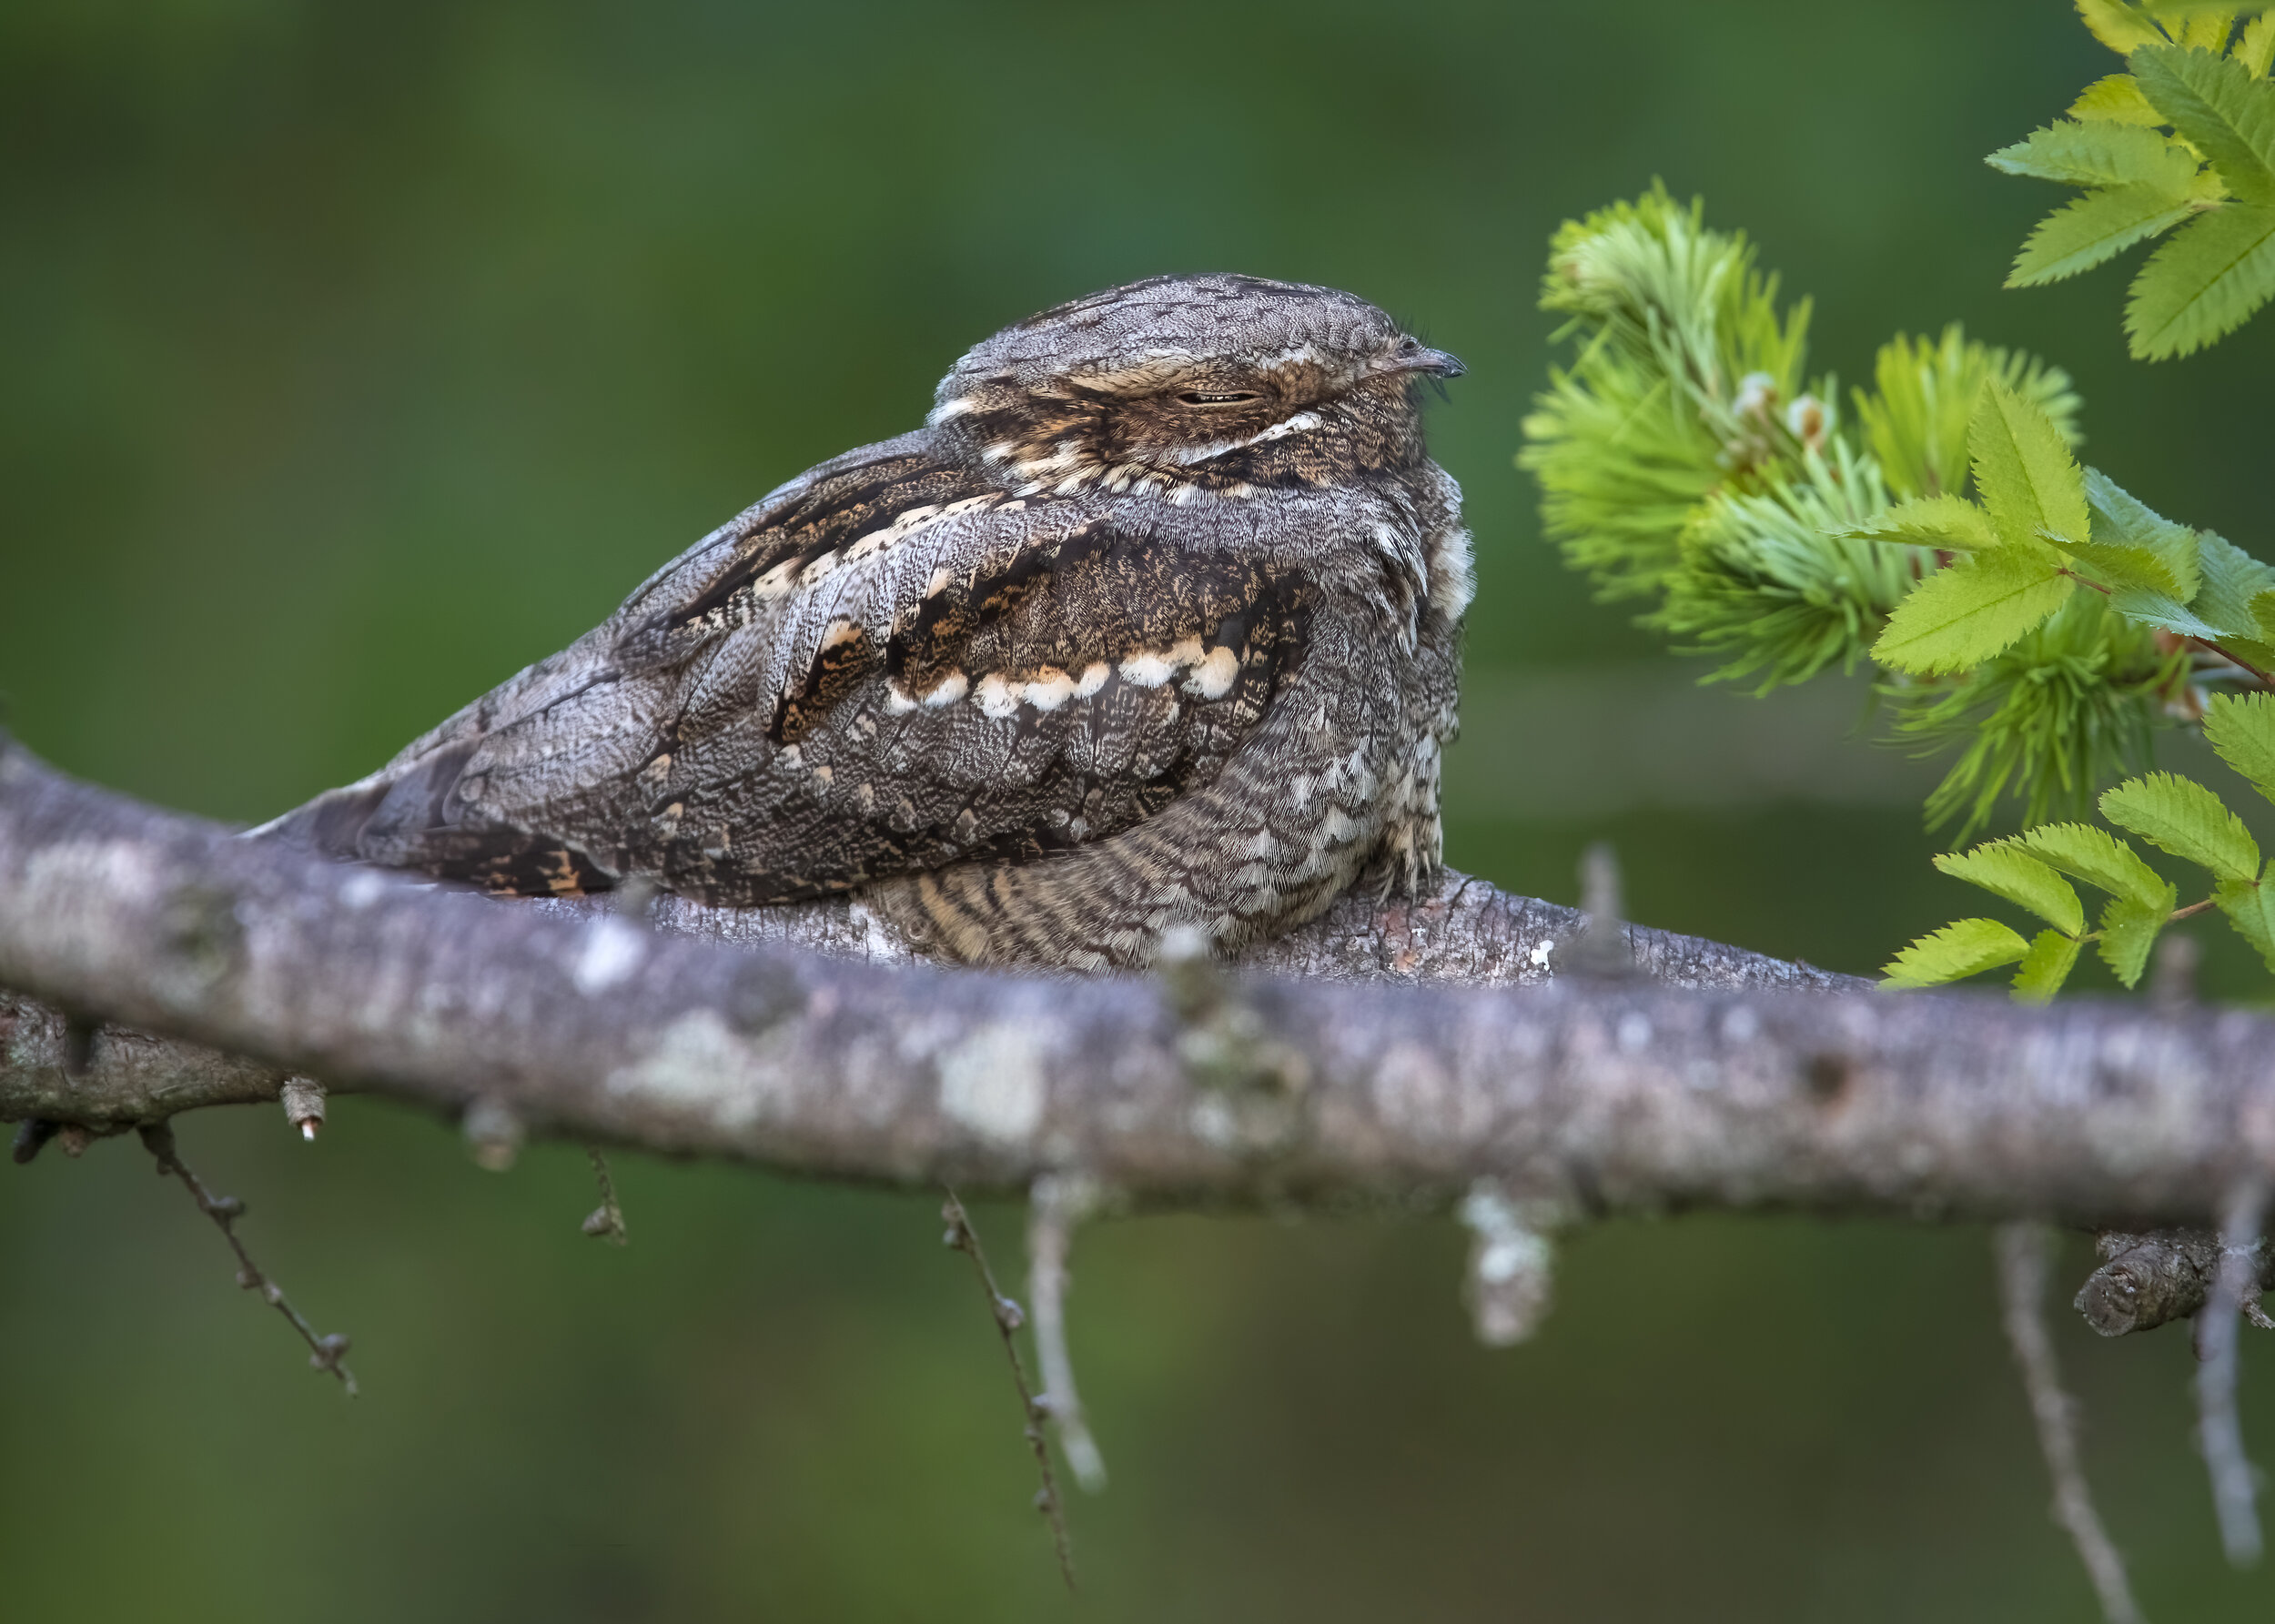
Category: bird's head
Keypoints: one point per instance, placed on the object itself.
(1191, 384)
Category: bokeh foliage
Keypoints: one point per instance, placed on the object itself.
(360, 354)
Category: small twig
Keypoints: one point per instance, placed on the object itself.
(606, 1221)
(1603, 949)
(325, 1352)
(303, 1102)
(2173, 980)
(2025, 1253)
(1059, 1202)
(2150, 1279)
(1512, 1261)
(1008, 1319)
(2220, 1431)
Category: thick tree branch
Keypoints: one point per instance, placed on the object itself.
(1596, 1093)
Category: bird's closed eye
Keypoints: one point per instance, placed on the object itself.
(1216, 397)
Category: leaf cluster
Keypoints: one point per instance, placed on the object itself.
(2181, 147)
(2043, 529)
(2034, 870)
(1685, 458)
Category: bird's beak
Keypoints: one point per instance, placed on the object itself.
(1435, 361)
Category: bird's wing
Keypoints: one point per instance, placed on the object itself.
(888, 667)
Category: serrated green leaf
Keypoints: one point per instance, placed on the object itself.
(2122, 519)
(2204, 283)
(2220, 106)
(2181, 816)
(2099, 859)
(2206, 28)
(2101, 152)
(2128, 930)
(2087, 230)
(2159, 610)
(2023, 469)
(2117, 25)
(2257, 47)
(1964, 615)
(2263, 612)
(2045, 967)
(2116, 99)
(2232, 583)
(1949, 522)
(1964, 947)
(2124, 568)
(2241, 728)
(2011, 872)
(2250, 906)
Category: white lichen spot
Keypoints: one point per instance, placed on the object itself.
(612, 951)
(992, 1083)
(1539, 955)
(698, 1064)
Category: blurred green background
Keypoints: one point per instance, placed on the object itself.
(359, 354)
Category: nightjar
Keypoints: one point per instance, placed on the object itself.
(1154, 623)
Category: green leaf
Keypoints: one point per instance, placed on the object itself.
(2205, 24)
(2099, 225)
(2233, 582)
(1964, 615)
(2008, 871)
(2257, 46)
(2117, 25)
(2263, 610)
(2203, 283)
(1963, 948)
(2117, 100)
(2161, 610)
(2098, 858)
(1949, 522)
(2047, 965)
(2222, 107)
(2023, 469)
(2101, 152)
(2121, 520)
(2241, 728)
(2181, 816)
(2250, 906)
(2128, 930)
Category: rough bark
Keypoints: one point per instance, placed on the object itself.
(1729, 1079)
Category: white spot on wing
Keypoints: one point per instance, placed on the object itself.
(1214, 677)
(993, 696)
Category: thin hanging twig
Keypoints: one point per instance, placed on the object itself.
(2025, 1253)
(2220, 1430)
(324, 1351)
(1059, 1202)
(1008, 1319)
(606, 1221)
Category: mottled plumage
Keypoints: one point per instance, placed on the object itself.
(1154, 623)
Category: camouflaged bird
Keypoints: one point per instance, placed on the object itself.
(1154, 623)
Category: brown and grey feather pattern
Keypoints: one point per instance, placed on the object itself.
(1154, 624)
